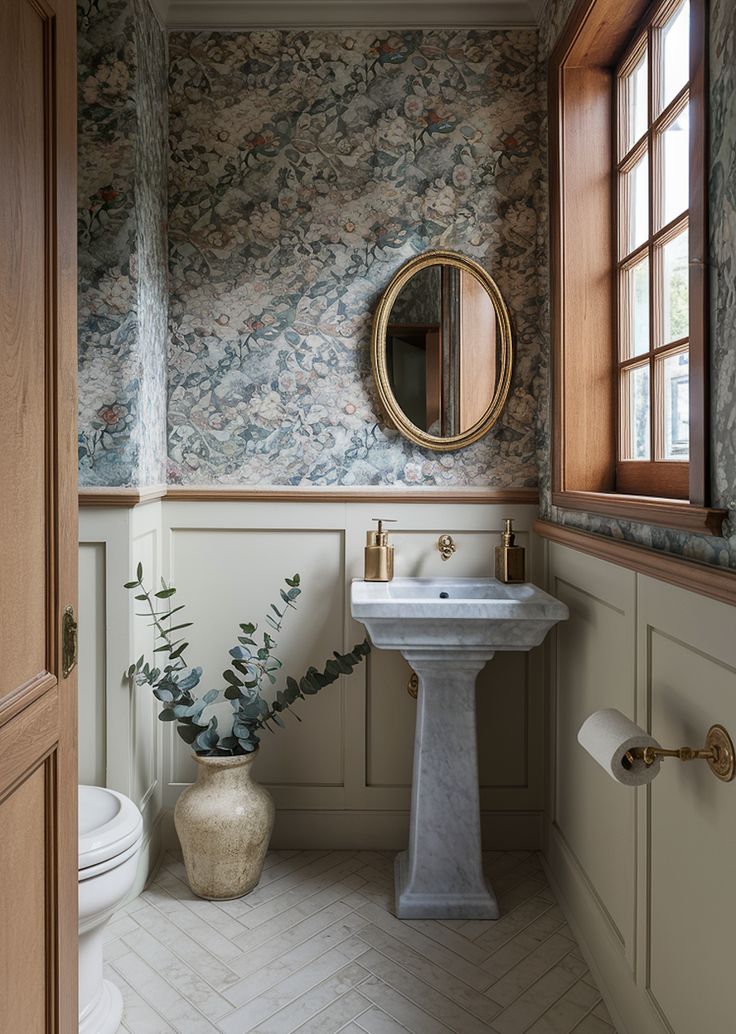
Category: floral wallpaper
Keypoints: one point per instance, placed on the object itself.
(123, 292)
(722, 191)
(305, 168)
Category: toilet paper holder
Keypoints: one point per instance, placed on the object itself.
(718, 752)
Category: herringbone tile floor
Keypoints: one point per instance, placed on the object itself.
(315, 949)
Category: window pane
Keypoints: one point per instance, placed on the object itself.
(635, 310)
(634, 104)
(635, 205)
(674, 376)
(635, 410)
(675, 316)
(676, 52)
(675, 152)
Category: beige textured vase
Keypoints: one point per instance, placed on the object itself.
(224, 824)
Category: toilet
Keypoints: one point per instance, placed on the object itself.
(110, 835)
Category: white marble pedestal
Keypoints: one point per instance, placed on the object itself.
(441, 875)
(447, 628)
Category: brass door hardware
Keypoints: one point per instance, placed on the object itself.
(69, 642)
(446, 546)
(412, 686)
(718, 752)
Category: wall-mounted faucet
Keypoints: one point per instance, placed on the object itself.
(446, 546)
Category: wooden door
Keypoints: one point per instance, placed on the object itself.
(38, 520)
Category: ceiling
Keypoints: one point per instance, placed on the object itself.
(345, 14)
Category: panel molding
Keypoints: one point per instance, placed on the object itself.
(131, 497)
(718, 583)
(120, 497)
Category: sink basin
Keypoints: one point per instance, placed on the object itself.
(455, 613)
(447, 628)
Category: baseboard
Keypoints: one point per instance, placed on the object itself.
(379, 830)
(627, 1002)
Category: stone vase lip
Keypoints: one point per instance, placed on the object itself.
(232, 761)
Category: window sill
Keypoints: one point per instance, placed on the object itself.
(668, 513)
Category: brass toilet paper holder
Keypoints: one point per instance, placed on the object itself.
(718, 752)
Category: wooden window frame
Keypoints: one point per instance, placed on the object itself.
(655, 476)
(583, 154)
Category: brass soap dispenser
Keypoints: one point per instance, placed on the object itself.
(509, 557)
(379, 556)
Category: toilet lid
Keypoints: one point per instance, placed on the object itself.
(109, 823)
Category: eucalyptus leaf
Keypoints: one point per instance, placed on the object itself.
(251, 713)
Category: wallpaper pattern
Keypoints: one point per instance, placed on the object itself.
(305, 168)
(722, 190)
(123, 292)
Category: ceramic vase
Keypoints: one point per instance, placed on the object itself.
(224, 824)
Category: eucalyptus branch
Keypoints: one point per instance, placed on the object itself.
(252, 662)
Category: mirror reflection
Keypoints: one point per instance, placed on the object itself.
(441, 354)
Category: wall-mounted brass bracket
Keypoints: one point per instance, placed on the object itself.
(718, 752)
(446, 546)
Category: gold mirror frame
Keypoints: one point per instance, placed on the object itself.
(378, 352)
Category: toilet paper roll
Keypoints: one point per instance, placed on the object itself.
(607, 735)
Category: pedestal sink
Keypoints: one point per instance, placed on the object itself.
(447, 628)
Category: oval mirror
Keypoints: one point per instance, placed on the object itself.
(442, 350)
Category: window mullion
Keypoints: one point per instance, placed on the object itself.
(651, 72)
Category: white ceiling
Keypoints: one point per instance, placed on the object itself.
(344, 14)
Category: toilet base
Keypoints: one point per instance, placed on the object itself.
(106, 1012)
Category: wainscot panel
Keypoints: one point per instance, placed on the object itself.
(341, 778)
(645, 875)
(687, 675)
(126, 755)
(92, 649)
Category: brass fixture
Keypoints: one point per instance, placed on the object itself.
(68, 642)
(446, 546)
(379, 555)
(444, 425)
(509, 556)
(718, 752)
(412, 686)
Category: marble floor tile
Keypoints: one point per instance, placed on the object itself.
(316, 949)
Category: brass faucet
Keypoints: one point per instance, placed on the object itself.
(446, 546)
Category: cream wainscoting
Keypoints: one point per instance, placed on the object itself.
(646, 875)
(342, 777)
(119, 736)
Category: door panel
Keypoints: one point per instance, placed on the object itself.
(22, 862)
(38, 792)
(23, 369)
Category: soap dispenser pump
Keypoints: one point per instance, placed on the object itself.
(379, 555)
(509, 556)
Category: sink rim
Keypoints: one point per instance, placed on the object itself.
(374, 600)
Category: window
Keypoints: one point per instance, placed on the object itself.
(652, 200)
(628, 216)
